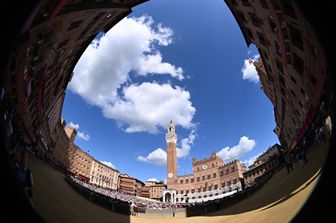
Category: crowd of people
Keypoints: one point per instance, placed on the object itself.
(131, 204)
(18, 146)
(135, 202)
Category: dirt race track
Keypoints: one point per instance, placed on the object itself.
(277, 201)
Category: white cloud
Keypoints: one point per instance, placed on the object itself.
(251, 160)
(74, 125)
(104, 68)
(186, 145)
(152, 179)
(249, 71)
(108, 163)
(245, 145)
(147, 106)
(157, 157)
(82, 135)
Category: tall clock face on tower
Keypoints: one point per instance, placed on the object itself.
(204, 166)
(170, 175)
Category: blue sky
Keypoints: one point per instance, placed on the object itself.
(180, 60)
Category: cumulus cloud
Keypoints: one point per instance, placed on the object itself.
(74, 125)
(82, 135)
(108, 163)
(186, 144)
(104, 69)
(147, 106)
(245, 145)
(152, 179)
(157, 157)
(249, 70)
(251, 160)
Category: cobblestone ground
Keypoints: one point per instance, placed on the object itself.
(278, 201)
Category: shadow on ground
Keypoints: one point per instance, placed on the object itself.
(57, 201)
(282, 186)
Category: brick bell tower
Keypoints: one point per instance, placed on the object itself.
(171, 139)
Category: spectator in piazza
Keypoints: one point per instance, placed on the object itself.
(328, 126)
(132, 207)
(289, 160)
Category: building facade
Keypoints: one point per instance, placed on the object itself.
(211, 177)
(258, 169)
(153, 190)
(61, 151)
(130, 185)
(80, 162)
(265, 163)
(50, 43)
(103, 175)
(291, 67)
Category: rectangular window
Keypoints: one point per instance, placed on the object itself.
(99, 15)
(302, 92)
(181, 181)
(249, 33)
(221, 173)
(279, 66)
(282, 80)
(262, 39)
(192, 180)
(198, 179)
(209, 176)
(255, 19)
(312, 79)
(203, 178)
(214, 175)
(292, 92)
(216, 186)
(298, 64)
(296, 37)
(242, 16)
(75, 25)
(187, 181)
(272, 24)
